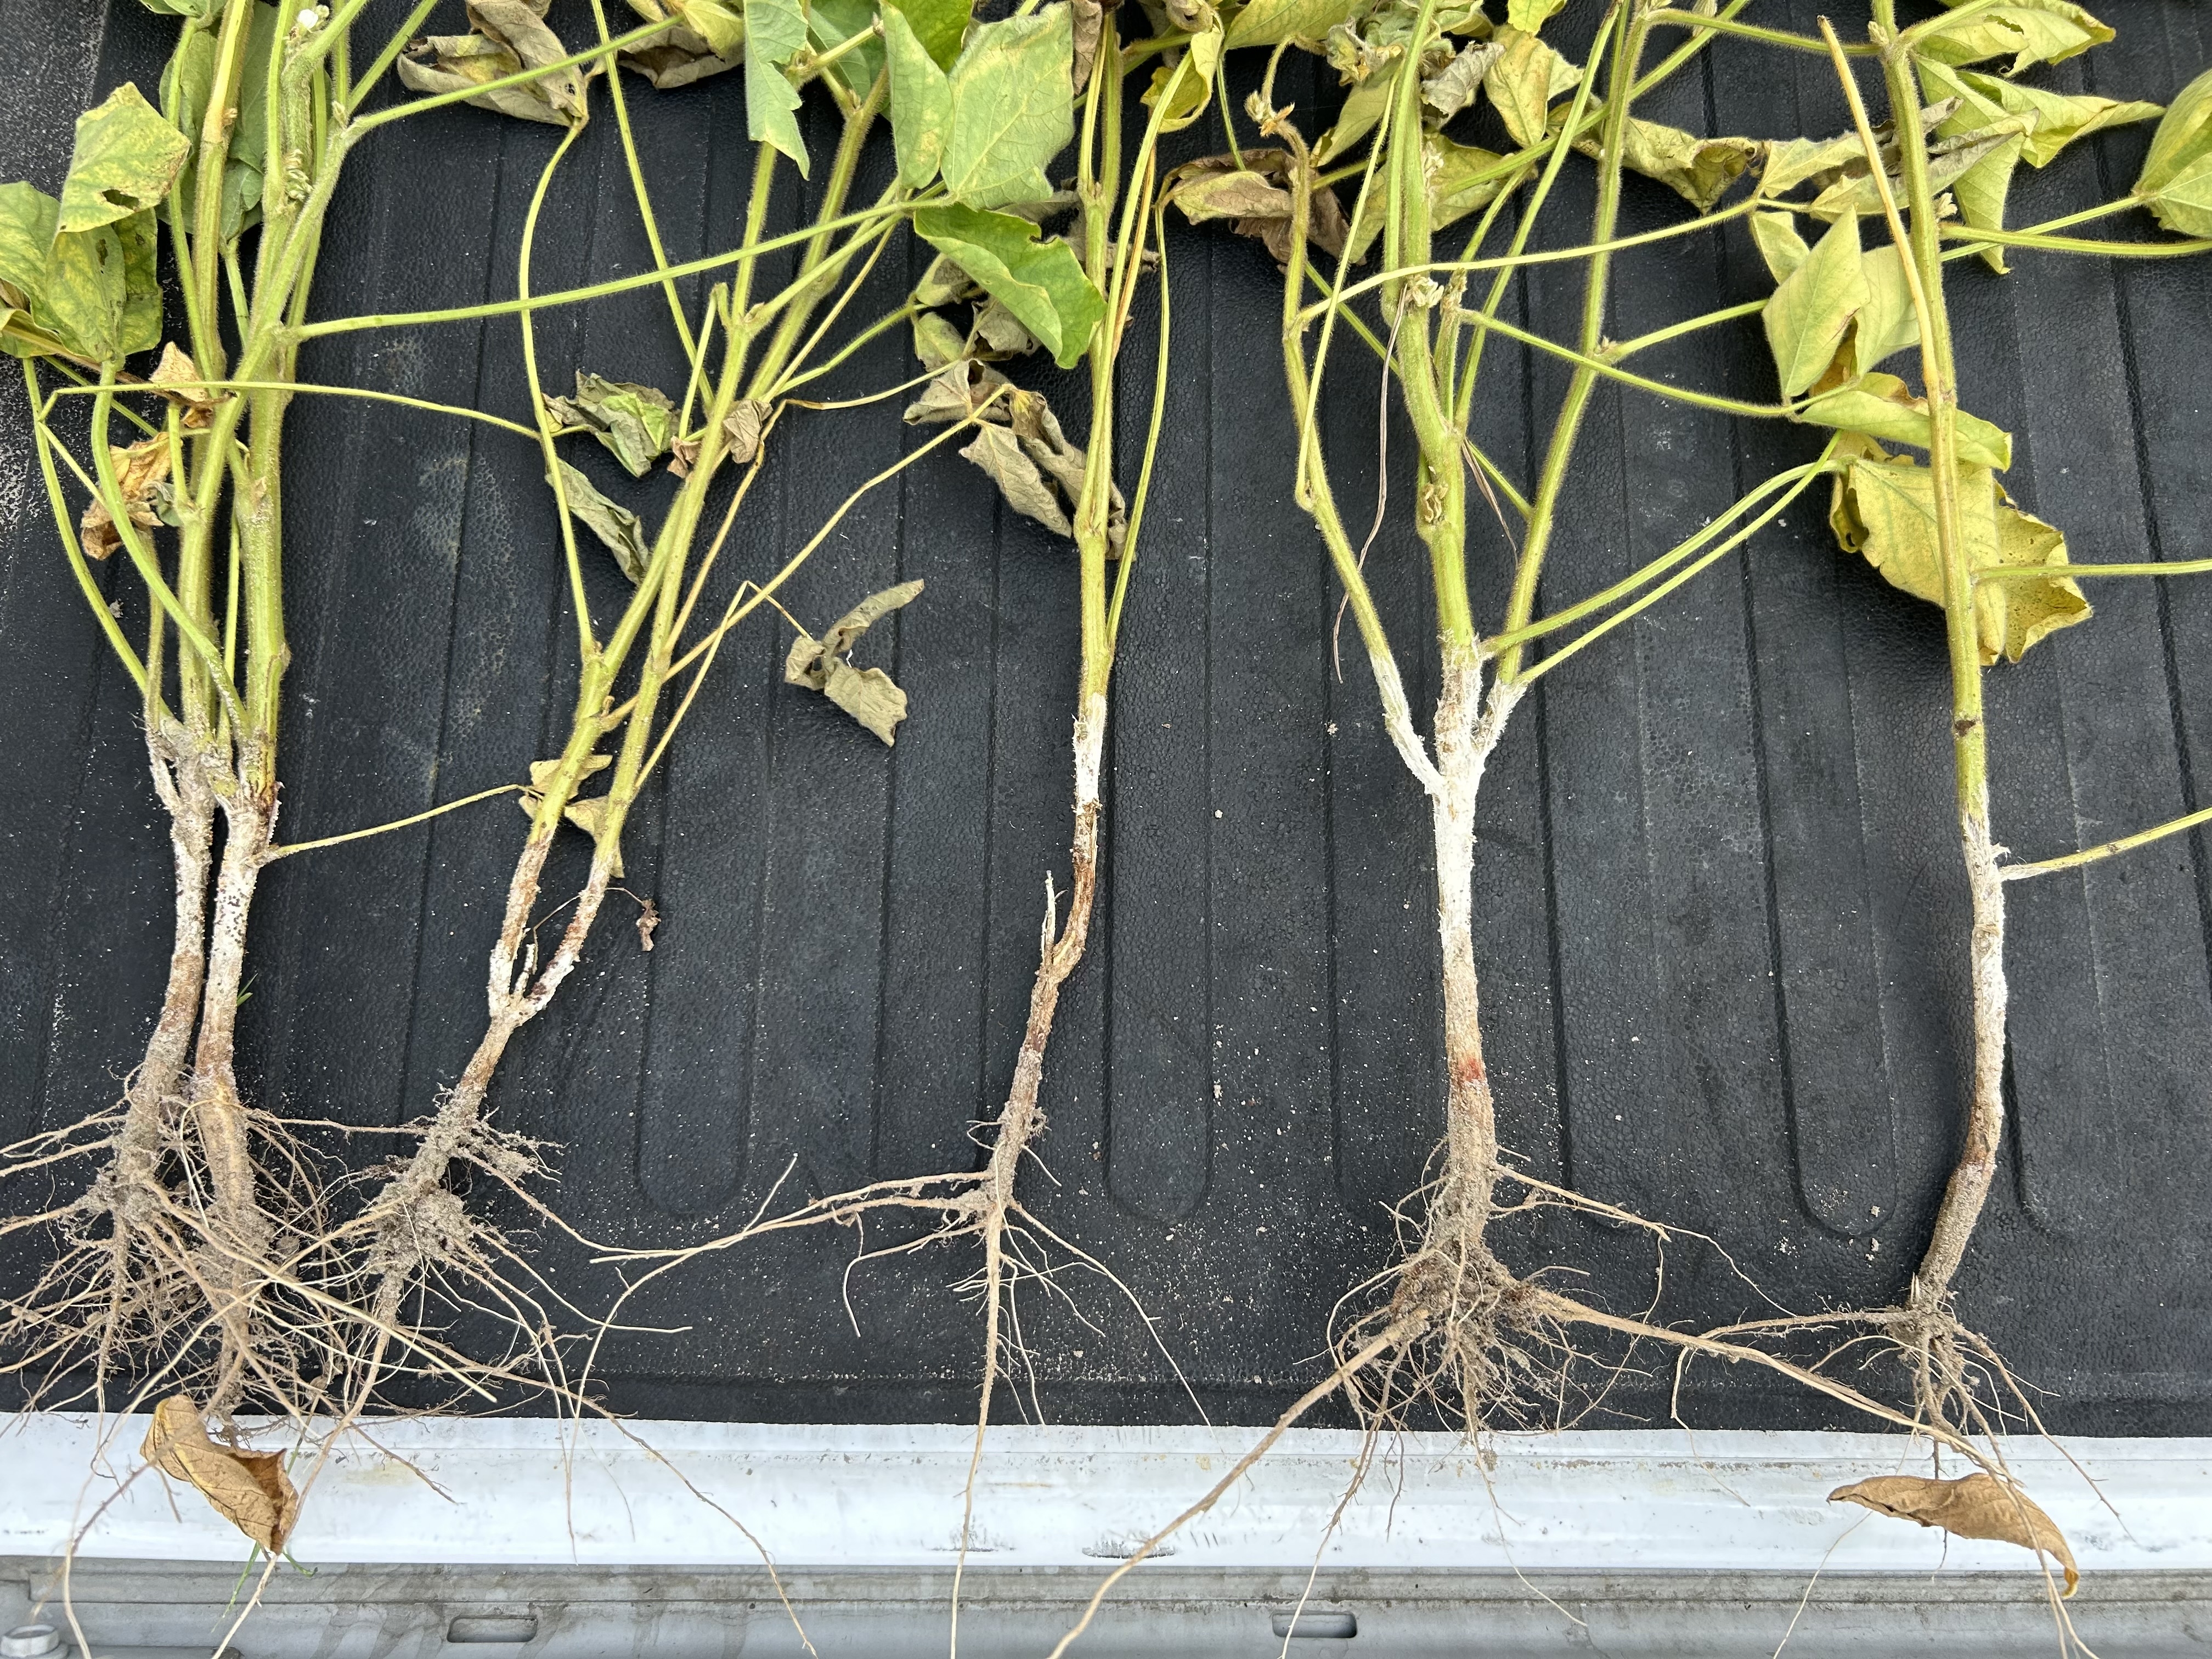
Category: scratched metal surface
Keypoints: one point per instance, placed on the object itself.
(1720, 912)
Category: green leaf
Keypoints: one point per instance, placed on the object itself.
(141, 326)
(1012, 109)
(775, 33)
(186, 88)
(27, 218)
(720, 24)
(2035, 30)
(1524, 78)
(1883, 406)
(833, 22)
(1271, 22)
(635, 422)
(1884, 507)
(1529, 15)
(619, 530)
(1699, 170)
(1813, 305)
(2059, 118)
(1039, 281)
(2176, 181)
(1361, 111)
(921, 102)
(126, 158)
(940, 25)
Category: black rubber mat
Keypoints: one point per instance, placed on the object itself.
(1721, 915)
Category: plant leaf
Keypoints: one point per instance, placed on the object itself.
(1001, 455)
(1013, 109)
(2060, 118)
(940, 25)
(1271, 22)
(1884, 507)
(510, 37)
(1883, 406)
(2036, 31)
(1039, 281)
(1982, 189)
(87, 286)
(1887, 323)
(1192, 77)
(1459, 82)
(248, 1489)
(1775, 234)
(1699, 170)
(2176, 181)
(869, 695)
(1523, 79)
(1529, 15)
(27, 218)
(635, 422)
(775, 33)
(1976, 1505)
(126, 158)
(921, 102)
(619, 530)
(1813, 305)
(138, 471)
(831, 23)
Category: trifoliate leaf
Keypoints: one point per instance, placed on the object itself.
(775, 33)
(1813, 305)
(1883, 406)
(1012, 109)
(126, 158)
(1884, 507)
(1039, 281)
(619, 530)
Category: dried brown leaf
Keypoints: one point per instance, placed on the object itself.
(248, 1489)
(1976, 1505)
(868, 694)
(138, 470)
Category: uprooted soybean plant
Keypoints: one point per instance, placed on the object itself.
(206, 1254)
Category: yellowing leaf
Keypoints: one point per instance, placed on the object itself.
(248, 1489)
(1813, 305)
(1775, 236)
(27, 218)
(1013, 109)
(1699, 170)
(1529, 15)
(1976, 1505)
(126, 158)
(2176, 181)
(1884, 507)
(1882, 406)
(2034, 30)
(1887, 323)
(1523, 79)
(1982, 189)
(1270, 22)
(921, 102)
(2059, 118)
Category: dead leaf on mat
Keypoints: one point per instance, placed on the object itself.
(868, 694)
(1976, 1505)
(248, 1489)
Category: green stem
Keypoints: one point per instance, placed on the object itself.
(587, 643)
(638, 189)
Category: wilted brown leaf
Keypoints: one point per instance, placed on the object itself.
(177, 375)
(138, 470)
(510, 36)
(248, 1489)
(1976, 1505)
(868, 694)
